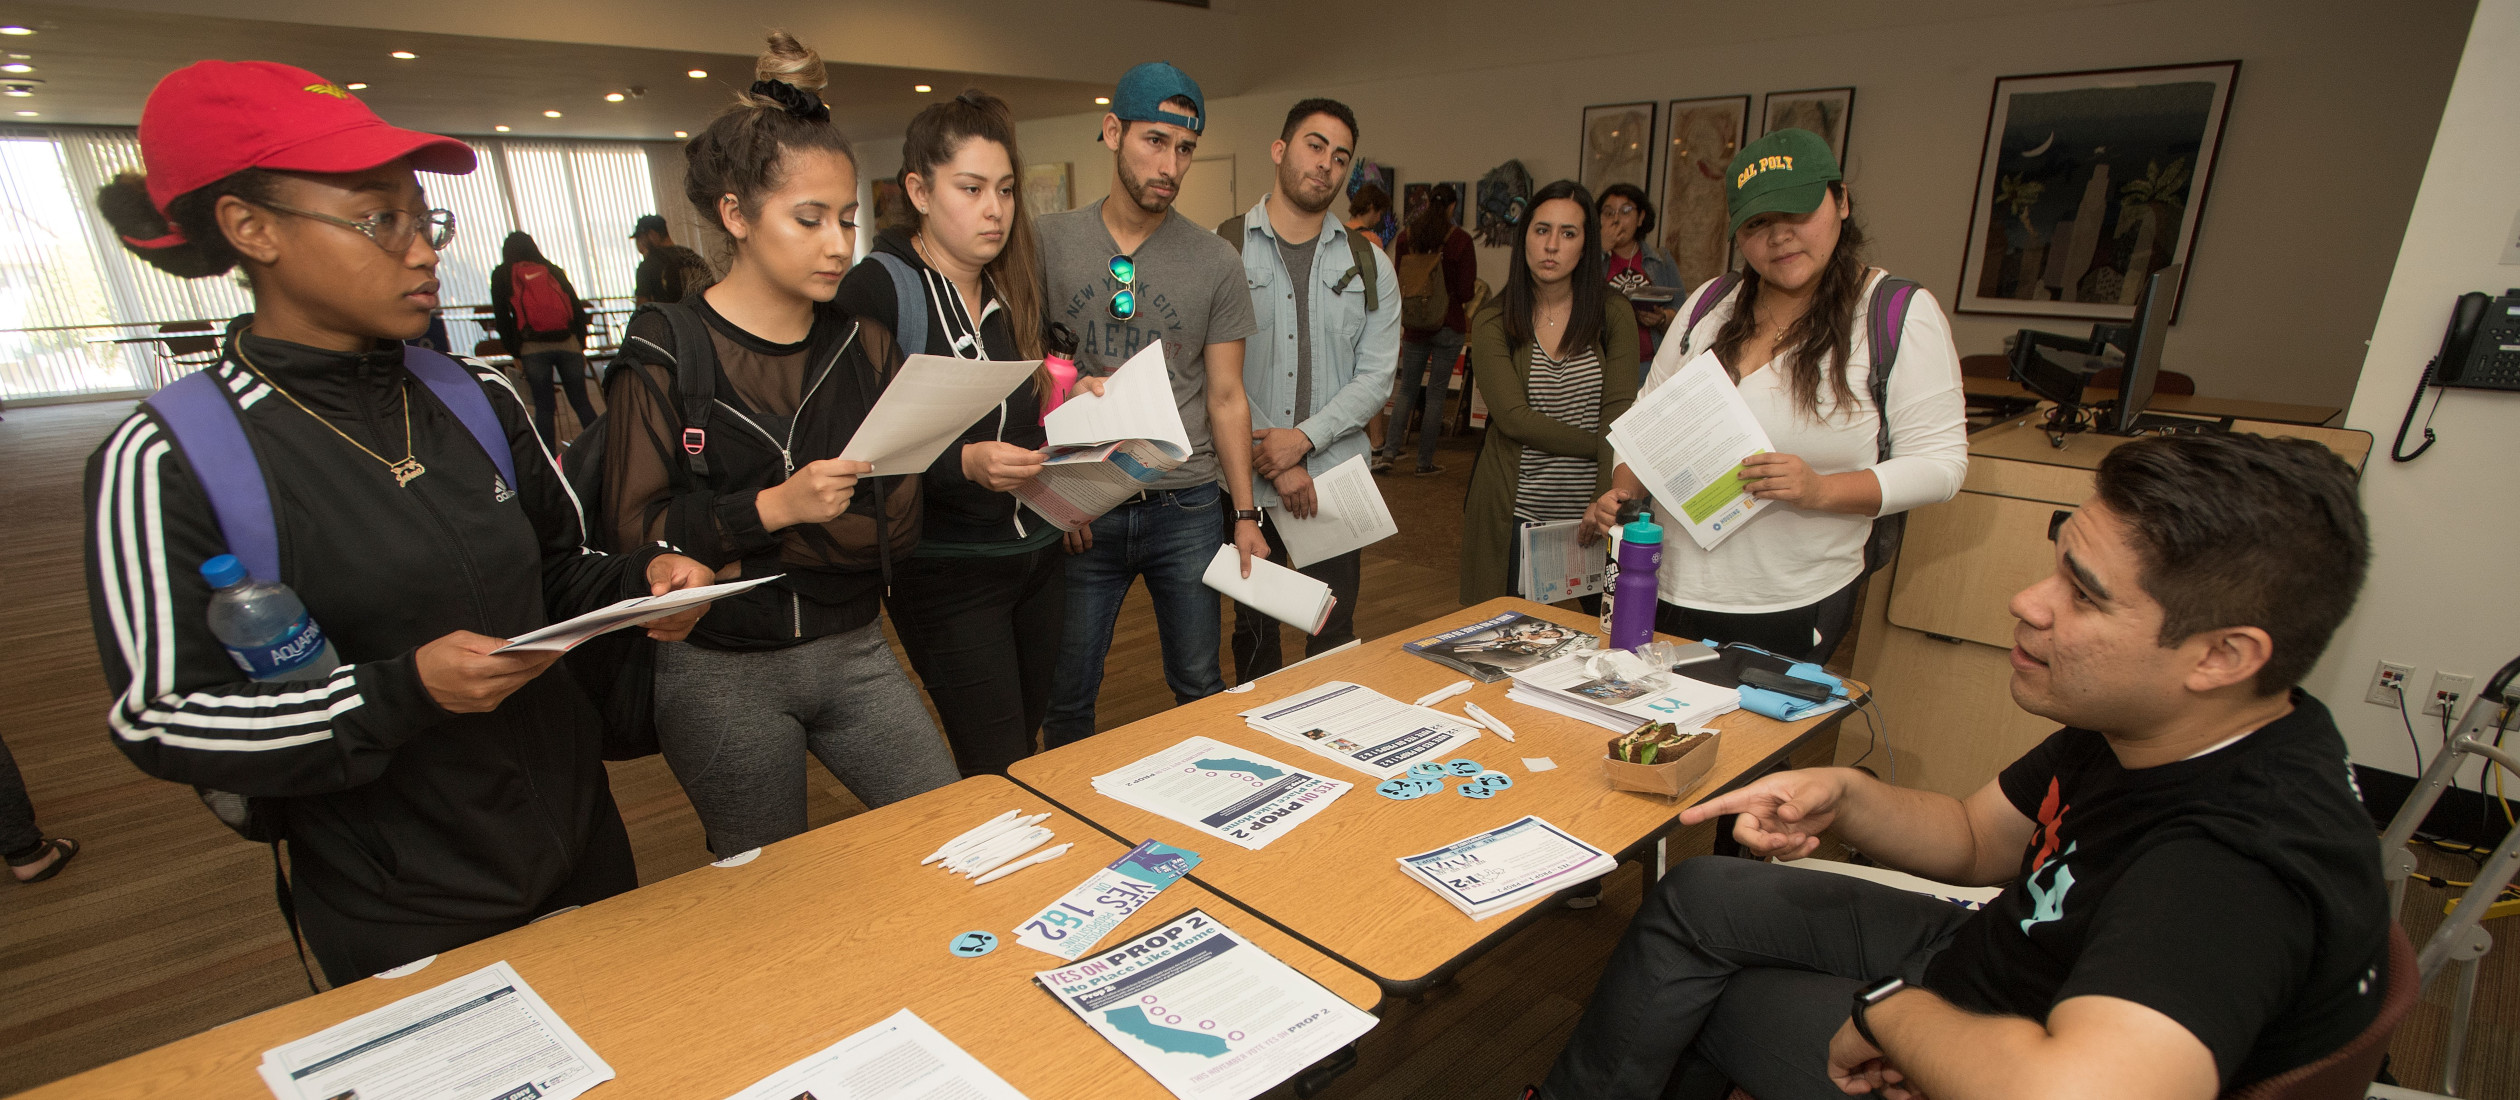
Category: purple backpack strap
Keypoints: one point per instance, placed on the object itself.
(461, 392)
(1887, 322)
(202, 416)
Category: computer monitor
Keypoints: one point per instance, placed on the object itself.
(2142, 341)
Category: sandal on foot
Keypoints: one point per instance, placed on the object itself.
(67, 848)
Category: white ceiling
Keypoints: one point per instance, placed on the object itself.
(98, 64)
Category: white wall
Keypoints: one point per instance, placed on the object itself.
(2445, 537)
(2334, 106)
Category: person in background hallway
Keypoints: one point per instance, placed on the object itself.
(1553, 353)
(1366, 210)
(1124, 273)
(981, 603)
(32, 856)
(798, 665)
(432, 792)
(1793, 336)
(1321, 362)
(541, 322)
(1433, 255)
(667, 272)
(1627, 227)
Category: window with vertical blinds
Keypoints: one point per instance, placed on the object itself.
(61, 268)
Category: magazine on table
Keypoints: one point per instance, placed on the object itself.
(1493, 649)
(1488, 873)
(1619, 692)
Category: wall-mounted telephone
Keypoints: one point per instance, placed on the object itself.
(2481, 350)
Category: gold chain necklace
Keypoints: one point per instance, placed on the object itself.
(403, 471)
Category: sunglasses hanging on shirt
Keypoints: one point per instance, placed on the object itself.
(1123, 303)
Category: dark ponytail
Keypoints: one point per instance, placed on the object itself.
(935, 136)
(1818, 343)
(740, 152)
(205, 250)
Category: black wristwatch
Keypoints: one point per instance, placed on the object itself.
(1252, 514)
(1872, 995)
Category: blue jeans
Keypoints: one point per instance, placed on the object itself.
(1425, 368)
(1168, 537)
(540, 367)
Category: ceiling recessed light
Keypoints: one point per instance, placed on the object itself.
(921, 88)
(698, 74)
(614, 97)
(356, 85)
(1102, 100)
(17, 30)
(551, 114)
(682, 133)
(501, 129)
(20, 91)
(17, 67)
(29, 114)
(404, 55)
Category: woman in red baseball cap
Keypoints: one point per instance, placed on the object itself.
(432, 791)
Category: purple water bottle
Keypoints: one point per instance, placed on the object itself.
(1640, 566)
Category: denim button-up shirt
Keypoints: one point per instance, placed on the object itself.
(1354, 353)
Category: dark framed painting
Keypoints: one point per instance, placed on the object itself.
(1618, 146)
(2088, 183)
(1699, 141)
(1461, 203)
(1827, 112)
(1385, 177)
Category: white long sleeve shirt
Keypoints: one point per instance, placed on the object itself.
(1789, 557)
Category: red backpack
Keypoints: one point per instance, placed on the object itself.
(542, 304)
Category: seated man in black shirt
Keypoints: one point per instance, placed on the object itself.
(2195, 900)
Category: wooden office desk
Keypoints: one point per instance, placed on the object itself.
(695, 987)
(2186, 404)
(1335, 880)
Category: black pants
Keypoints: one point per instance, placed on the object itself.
(1788, 633)
(539, 366)
(983, 635)
(1738, 972)
(18, 835)
(1256, 641)
(349, 948)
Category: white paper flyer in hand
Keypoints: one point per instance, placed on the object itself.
(1362, 728)
(1222, 791)
(1686, 438)
(1272, 589)
(483, 1036)
(564, 637)
(927, 405)
(1490, 872)
(901, 1058)
(1349, 515)
(1208, 1014)
(1556, 565)
(1104, 449)
(1072, 925)
(1587, 686)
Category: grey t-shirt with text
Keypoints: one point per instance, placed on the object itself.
(1190, 293)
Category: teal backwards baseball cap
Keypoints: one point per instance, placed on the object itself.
(1143, 90)
(1784, 172)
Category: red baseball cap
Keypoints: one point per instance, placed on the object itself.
(212, 119)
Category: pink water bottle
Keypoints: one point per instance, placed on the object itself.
(1058, 356)
(1640, 568)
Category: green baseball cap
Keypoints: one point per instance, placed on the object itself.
(1143, 90)
(1784, 172)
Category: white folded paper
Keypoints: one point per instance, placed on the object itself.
(1488, 873)
(604, 620)
(1686, 437)
(1103, 449)
(901, 1058)
(1222, 790)
(1350, 515)
(1362, 728)
(927, 405)
(485, 1034)
(1583, 686)
(1275, 590)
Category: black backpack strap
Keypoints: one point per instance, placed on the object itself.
(695, 380)
(1885, 322)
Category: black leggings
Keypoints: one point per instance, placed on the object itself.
(1789, 633)
(983, 635)
(349, 948)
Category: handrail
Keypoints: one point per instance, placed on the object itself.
(215, 321)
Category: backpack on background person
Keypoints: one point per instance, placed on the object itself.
(1423, 297)
(543, 308)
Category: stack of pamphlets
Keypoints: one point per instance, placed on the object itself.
(1208, 1014)
(1493, 649)
(1556, 565)
(1103, 450)
(901, 1058)
(1588, 687)
(1362, 728)
(1488, 873)
(1222, 791)
(483, 1034)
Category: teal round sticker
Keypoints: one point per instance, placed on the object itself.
(1426, 770)
(1464, 766)
(973, 944)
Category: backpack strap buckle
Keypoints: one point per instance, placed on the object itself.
(694, 440)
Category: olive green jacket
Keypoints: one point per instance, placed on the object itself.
(1487, 527)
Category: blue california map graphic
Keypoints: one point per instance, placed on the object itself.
(1132, 1022)
(1229, 764)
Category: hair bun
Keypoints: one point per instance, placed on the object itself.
(791, 62)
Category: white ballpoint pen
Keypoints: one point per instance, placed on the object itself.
(962, 850)
(1445, 692)
(1032, 840)
(1044, 856)
(1489, 720)
(985, 827)
(1018, 841)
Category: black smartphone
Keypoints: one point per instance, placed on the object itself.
(1807, 690)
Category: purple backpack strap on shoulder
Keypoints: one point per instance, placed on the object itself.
(1887, 322)
(1705, 304)
(197, 409)
(460, 391)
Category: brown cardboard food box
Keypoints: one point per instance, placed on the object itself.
(1669, 778)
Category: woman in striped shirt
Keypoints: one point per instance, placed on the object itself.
(1541, 351)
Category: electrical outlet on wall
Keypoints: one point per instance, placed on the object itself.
(2387, 683)
(2449, 693)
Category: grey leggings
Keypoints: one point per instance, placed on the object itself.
(736, 727)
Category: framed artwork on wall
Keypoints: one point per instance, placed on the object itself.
(2089, 182)
(1461, 203)
(1823, 111)
(1046, 189)
(1700, 139)
(1385, 177)
(1618, 146)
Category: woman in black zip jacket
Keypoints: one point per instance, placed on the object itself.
(981, 603)
(431, 792)
(798, 665)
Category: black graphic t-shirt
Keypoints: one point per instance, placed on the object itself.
(2237, 892)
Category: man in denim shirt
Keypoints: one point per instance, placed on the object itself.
(1321, 364)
